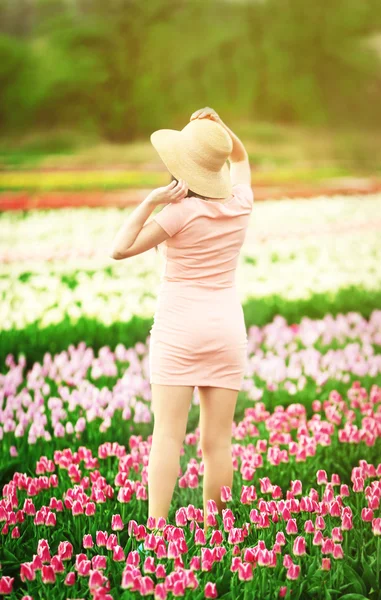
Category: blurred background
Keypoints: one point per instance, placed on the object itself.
(84, 83)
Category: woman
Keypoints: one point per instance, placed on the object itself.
(198, 337)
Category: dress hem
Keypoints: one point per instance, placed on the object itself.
(219, 384)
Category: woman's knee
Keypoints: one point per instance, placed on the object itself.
(212, 447)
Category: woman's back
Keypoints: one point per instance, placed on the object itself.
(206, 237)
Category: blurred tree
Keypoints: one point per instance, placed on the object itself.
(125, 67)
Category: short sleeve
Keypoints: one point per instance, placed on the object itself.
(172, 217)
(244, 191)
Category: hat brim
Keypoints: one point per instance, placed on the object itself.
(171, 146)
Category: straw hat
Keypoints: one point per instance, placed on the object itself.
(197, 154)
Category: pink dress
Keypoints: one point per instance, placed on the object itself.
(198, 337)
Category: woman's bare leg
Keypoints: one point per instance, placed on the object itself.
(171, 405)
(217, 406)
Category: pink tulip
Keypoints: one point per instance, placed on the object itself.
(118, 554)
(367, 514)
(336, 534)
(376, 526)
(291, 527)
(211, 507)
(296, 487)
(321, 476)
(6, 585)
(195, 563)
(326, 564)
(160, 592)
(346, 522)
(226, 494)
(299, 547)
(87, 541)
(43, 551)
(65, 550)
(327, 546)
(358, 484)
(216, 538)
(318, 538)
(210, 590)
(70, 578)
(245, 571)
(199, 537)
(280, 538)
(181, 517)
(99, 562)
(116, 523)
(57, 564)
(27, 572)
(319, 522)
(147, 585)
(96, 580)
(309, 526)
(90, 509)
(101, 538)
(84, 568)
(293, 572)
(337, 551)
(47, 574)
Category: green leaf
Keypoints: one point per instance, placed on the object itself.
(9, 556)
(355, 579)
(354, 597)
(369, 576)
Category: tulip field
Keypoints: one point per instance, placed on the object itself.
(303, 517)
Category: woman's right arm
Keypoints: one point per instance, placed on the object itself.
(240, 171)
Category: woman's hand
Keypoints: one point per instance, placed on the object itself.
(173, 192)
(206, 113)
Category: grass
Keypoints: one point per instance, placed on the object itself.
(278, 154)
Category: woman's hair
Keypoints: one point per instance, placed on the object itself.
(189, 195)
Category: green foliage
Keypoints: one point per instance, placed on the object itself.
(123, 70)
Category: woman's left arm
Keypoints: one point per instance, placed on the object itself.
(134, 236)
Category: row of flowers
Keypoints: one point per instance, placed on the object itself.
(82, 531)
(65, 395)
(319, 246)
